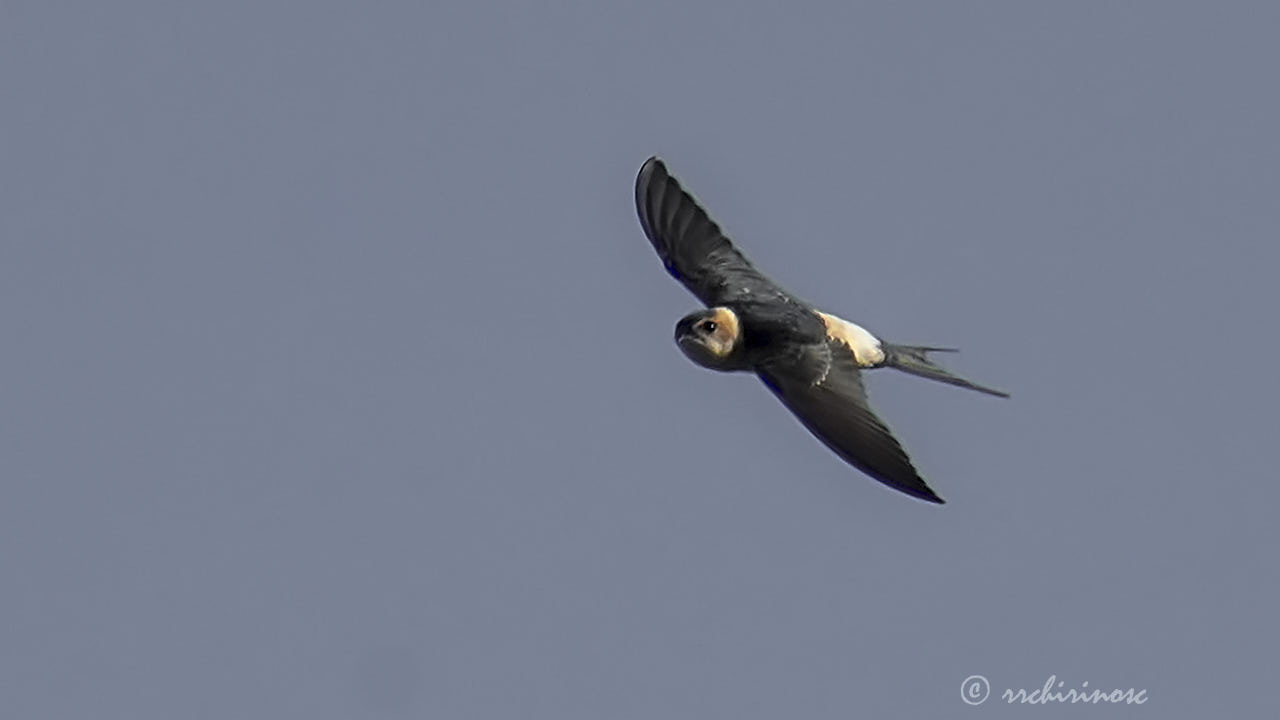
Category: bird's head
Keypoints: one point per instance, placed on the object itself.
(710, 338)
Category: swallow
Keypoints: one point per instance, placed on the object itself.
(811, 360)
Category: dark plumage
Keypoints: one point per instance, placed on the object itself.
(811, 360)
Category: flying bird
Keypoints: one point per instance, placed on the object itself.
(811, 360)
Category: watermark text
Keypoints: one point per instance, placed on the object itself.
(976, 689)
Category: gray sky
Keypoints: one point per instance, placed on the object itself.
(338, 377)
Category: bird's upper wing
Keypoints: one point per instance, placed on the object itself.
(823, 388)
(690, 243)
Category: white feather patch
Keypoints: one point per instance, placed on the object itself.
(865, 346)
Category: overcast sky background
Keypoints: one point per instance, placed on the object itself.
(337, 376)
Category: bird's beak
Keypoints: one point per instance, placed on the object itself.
(684, 332)
(687, 341)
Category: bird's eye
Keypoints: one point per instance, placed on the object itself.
(707, 326)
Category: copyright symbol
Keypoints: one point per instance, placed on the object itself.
(974, 690)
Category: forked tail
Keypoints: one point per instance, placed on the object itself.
(914, 359)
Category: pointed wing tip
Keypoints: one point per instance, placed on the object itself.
(652, 174)
(644, 185)
(925, 493)
(653, 164)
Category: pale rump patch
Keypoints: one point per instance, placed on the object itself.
(865, 346)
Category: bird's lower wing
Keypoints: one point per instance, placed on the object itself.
(825, 393)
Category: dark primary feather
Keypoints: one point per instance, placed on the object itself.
(823, 388)
(690, 243)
